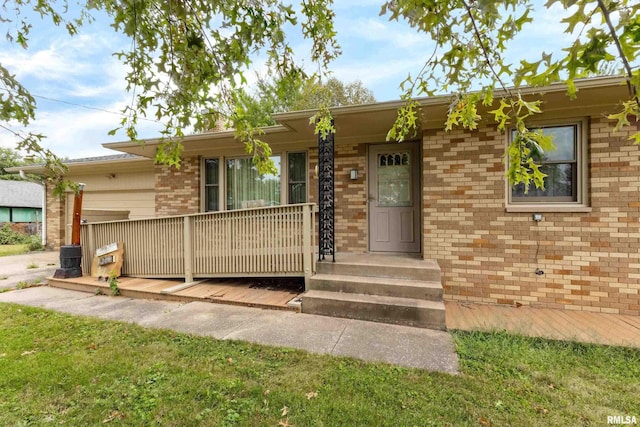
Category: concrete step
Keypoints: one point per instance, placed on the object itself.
(382, 266)
(384, 286)
(377, 308)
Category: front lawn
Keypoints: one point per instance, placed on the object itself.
(61, 369)
(6, 250)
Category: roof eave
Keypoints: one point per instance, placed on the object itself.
(39, 169)
(147, 148)
(445, 99)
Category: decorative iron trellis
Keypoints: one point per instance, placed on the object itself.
(326, 189)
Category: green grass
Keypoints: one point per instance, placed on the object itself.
(29, 284)
(61, 369)
(6, 250)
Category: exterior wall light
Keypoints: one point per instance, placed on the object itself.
(353, 174)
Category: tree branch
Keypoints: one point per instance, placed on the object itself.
(616, 40)
(478, 37)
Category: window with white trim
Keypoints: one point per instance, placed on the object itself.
(565, 167)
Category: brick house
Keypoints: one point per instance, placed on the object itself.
(441, 197)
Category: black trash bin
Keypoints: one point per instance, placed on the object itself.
(70, 262)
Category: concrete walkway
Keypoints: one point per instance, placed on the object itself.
(394, 344)
(32, 267)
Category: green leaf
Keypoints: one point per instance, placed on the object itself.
(500, 116)
(407, 123)
(630, 108)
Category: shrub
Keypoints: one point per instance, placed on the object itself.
(35, 243)
(10, 237)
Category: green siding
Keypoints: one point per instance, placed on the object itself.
(20, 215)
(27, 215)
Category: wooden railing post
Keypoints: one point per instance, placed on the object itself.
(91, 249)
(188, 255)
(307, 255)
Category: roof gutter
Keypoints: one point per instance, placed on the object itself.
(445, 99)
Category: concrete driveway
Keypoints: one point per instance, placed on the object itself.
(31, 267)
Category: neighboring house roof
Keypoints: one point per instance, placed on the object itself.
(20, 194)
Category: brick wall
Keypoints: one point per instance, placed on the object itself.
(56, 230)
(591, 261)
(178, 190)
(351, 199)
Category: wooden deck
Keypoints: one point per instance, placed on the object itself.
(566, 325)
(250, 292)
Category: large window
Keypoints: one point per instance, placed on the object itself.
(565, 183)
(234, 182)
(246, 188)
(297, 178)
(211, 185)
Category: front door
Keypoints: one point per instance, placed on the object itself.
(394, 198)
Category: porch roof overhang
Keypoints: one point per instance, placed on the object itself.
(366, 123)
(371, 122)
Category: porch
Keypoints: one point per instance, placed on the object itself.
(266, 242)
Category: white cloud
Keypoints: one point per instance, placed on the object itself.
(39, 64)
(382, 77)
(378, 34)
(77, 132)
(81, 66)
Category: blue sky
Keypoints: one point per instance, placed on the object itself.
(80, 88)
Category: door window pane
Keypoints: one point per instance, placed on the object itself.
(246, 188)
(394, 179)
(297, 178)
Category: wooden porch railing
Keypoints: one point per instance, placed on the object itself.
(261, 242)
